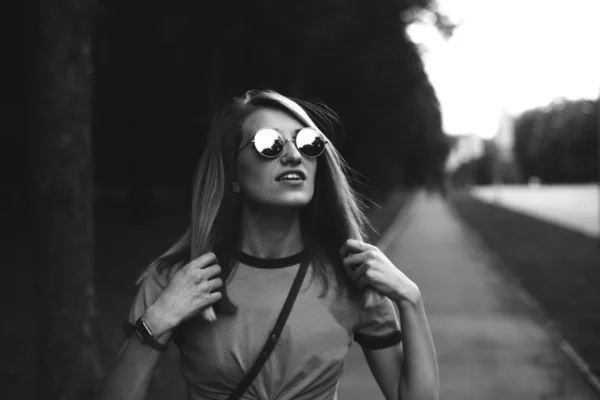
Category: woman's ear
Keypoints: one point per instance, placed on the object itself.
(235, 187)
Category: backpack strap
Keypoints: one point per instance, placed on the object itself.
(274, 335)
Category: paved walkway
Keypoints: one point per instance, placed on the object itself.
(575, 207)
(490, 345)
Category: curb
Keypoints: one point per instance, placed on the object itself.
(565, 347)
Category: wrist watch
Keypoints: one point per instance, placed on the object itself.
(144, 333)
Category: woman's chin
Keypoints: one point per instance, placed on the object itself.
(295, 201)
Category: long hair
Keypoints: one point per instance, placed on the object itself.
(335, 213)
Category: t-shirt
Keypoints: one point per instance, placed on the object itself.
(308, 359)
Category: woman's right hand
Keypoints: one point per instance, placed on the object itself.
(189, 292)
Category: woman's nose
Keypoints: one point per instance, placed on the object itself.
(290, 155)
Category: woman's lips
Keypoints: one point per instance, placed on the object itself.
(295, 173)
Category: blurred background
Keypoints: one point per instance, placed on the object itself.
(492, 106)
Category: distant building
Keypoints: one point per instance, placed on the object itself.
(504, 165)
(459, 167)
(465, 148)
(473, 160)
(505, 138)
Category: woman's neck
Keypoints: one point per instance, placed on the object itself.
(270, 234)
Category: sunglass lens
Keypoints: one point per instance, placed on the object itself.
(268, 142)
(310, 142)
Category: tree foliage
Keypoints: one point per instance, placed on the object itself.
(559, 143)
(181, 61)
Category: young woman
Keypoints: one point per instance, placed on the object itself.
(271, 195)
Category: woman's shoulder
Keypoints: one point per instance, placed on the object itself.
(151, 284)
(158, 275)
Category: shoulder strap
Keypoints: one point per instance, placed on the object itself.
(274, 335)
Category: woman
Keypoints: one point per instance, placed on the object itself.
(270, 195)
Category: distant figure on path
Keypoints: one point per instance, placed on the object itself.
(271, 203)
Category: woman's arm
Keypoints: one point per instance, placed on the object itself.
(386, 366)
(130, 378)
(420, 377)
(189, 292)
(408, 370)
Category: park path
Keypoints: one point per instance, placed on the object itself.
(490, 344)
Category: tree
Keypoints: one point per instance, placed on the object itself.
(353, 56)
(559, 142)
(62, 201)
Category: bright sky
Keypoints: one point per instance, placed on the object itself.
(510, 55)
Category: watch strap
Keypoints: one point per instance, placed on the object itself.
(146, 338)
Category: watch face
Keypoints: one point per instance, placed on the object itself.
(142, 331)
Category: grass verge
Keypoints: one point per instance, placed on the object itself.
(560, 268)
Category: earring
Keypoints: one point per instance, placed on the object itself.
(235, 187)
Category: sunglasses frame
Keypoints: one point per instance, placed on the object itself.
(325, 141)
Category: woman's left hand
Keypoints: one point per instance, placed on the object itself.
(368, 266)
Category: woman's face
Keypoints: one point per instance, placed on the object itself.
(263, 181)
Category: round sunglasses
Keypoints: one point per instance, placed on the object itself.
(270, 143)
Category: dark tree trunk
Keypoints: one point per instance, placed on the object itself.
(141, 69)
(215, 80)
(62, 201)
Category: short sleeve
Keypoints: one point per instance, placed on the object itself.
(151, 286)
(378, 327)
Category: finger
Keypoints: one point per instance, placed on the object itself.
(210, 272)
(362, 281)
(358, 272)
(214, 284)
(353, 260)
(353, 246)
(349, 246)
(204, 260)
(214, 297)
(208, 300)
(353, 263)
